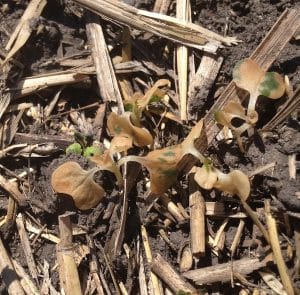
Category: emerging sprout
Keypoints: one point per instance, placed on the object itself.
(91, 151)
(125, 133)
(104, 161)
(162, 163)
(138, 102)
(248, 75)
(70, 179)
(235, 182)
(74, 148)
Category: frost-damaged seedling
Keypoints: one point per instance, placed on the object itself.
(234, 183)
(70, 179)
(162, 163)
(125, 134)
(250, 77)
(138, 102)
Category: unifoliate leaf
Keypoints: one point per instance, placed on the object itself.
(74, 148)
(206, 177)
(235, 182)
(248, 75)
(272, 85)
(125, 133)
(70, 179)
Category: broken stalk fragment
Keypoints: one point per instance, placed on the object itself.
(162, 163)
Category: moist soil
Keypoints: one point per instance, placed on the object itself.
(60, 32)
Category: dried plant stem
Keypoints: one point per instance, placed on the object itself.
(285, 110)
(23, 30)
(68, 273)
(167, 273)
(183, 32)
(107, 82)
(274, 242)
(26, 247)
(292, 166)
(11, 211)
(186, 258)
(153, 277)
(202, 82)
(197, 223)
(34, 84)
(12, 189)
(26, 282)
(223, 272)
(142, 277)
(182, 61)
(237, 237)
(255, 219)
(94, 269)
(172, 208)
(8, 273)
(262, 169)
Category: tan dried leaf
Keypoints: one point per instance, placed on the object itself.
(70, 179)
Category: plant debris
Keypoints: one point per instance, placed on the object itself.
(149, 147)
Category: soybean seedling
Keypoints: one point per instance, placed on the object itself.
(138, 102)
(162, 163)
(70, 179)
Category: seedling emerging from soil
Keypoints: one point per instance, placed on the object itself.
(104, 161)
(91, 151)
(235, 182)
(138, 102)
(162, 163)
(125, 133)
(248, 75)
(70, 179)
(74, 148)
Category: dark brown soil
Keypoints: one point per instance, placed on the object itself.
(62, 27)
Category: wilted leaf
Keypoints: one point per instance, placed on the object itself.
(125, 133)
(235, 182)
(70, 179)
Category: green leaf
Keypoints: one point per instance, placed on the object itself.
(272, 85)
(92, 151)
(74, 148)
